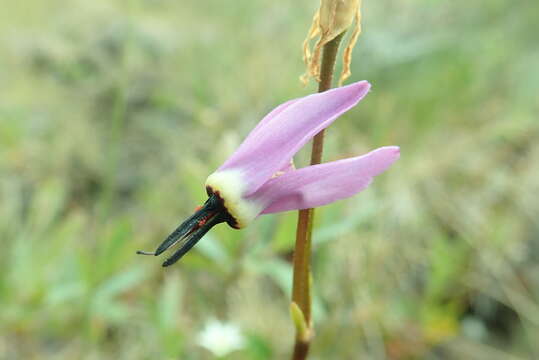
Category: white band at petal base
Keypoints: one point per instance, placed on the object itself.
(230, 186)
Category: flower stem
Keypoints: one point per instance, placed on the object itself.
(301, 289)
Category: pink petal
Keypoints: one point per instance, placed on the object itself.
(289, 166)
(271, 145)
(322, 184)
(279, 109)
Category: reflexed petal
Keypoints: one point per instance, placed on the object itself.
(272, 144)
(322, 184)
(270, 116)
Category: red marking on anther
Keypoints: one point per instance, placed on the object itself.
(202, 222)
(198, 208)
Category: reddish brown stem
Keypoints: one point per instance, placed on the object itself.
(301, 289)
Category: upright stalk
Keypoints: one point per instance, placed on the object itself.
(301, 289)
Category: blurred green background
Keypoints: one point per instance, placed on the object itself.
(112, 114)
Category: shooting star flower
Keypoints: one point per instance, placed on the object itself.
(259, 178)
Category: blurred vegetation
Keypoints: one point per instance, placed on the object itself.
(112, 114)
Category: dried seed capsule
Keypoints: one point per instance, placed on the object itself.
(332, 18)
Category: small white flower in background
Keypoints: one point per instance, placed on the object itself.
(221, 338)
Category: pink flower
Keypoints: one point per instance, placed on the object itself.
(259, 177)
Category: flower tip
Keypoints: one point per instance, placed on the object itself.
(391, 153)
(366, 86)
(357, 90)
(363, 83)
(384, 157)
(396, 151)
